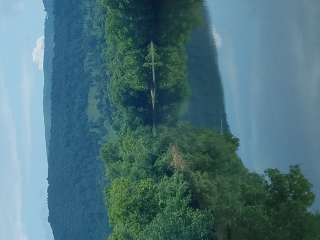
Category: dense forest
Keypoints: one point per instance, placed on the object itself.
(141, 78)
(78, 115)
(75, 175)
(170, 179)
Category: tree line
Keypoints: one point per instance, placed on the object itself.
(182, 182)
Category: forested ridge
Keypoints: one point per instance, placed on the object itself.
(170, 179)
(75, 174)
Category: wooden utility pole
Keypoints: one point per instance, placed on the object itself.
(153, 89)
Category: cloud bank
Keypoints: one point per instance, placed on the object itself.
(38, 53)
(11, 223)
(11, 7)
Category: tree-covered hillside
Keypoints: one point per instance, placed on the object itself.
(75, 174)
(170, 179)
(78, 115)
(142, 76)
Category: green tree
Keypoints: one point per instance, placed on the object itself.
(288, 198)
(183, 182)
(131, 205)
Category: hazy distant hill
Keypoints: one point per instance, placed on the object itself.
(206, 107)
(75, 194)
(48, 57)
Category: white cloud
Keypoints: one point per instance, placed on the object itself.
(217, 38)
(38, 53)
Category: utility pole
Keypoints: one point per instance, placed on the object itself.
(153, 89)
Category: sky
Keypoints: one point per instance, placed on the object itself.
(269, 56)
(23, 165)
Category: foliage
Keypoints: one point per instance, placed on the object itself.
(75, 176)
(181, 182)
(212, 183)
(130, 28)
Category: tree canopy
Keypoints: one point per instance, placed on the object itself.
(182, 182)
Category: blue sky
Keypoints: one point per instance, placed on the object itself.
(269, 57)
(23, 166)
